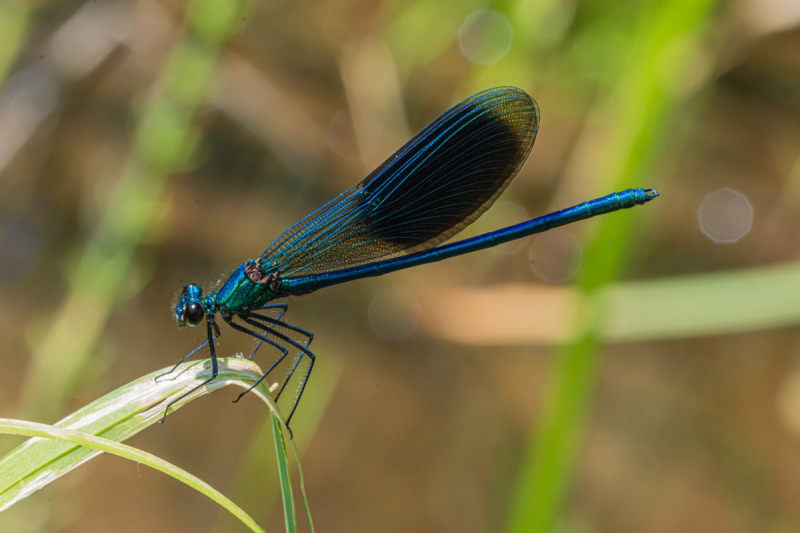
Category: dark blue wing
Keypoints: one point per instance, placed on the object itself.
(443, 179)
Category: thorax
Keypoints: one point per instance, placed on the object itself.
(246, 289)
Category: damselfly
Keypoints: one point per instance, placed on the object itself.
(443, 179)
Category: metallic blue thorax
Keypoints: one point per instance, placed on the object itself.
(247, 288)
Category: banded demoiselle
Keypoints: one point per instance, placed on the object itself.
(438, 183)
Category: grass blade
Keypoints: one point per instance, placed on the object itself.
(56, 450)
(286, 481)
(55, 434)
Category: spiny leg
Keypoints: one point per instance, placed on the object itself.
(302, 349)
(211, 327)
(188, 355)
(261, 338)
(278, 322)
(283, 306)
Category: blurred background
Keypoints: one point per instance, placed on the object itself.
(636, 372)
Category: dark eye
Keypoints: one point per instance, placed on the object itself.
(194, 314)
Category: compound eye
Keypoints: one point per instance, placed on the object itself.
(194, 314)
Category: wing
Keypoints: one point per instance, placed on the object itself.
(438, 183)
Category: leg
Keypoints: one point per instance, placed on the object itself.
(302, 349)
(278, 322)
(271, 322)
(281, 309)
(211, 327)
(261, 339)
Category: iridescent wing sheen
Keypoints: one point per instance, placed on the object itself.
(438, 183)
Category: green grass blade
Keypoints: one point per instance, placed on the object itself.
(57, 435)
(116, 417)
(646, 96)
(720, 303)
(253, 465)
(285, 476)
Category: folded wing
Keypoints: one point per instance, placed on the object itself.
(438, 183)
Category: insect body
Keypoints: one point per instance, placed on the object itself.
(438, 183)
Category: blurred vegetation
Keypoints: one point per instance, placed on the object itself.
(146, 144)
